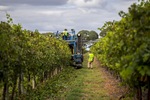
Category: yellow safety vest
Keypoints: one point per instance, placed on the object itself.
(65, 33)
(91, 57)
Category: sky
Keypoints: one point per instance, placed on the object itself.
(56, 15)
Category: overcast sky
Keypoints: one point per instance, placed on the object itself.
(53, 15)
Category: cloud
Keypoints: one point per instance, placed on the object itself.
(59, 14)
(3, 8)
(34, 2)
(87, 3)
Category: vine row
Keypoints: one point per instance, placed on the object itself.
(125, 47)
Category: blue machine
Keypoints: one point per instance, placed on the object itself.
(75, 45)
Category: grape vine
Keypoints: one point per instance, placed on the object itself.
(125, 47)
(28, 58)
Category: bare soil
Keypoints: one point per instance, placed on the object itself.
(112, 86)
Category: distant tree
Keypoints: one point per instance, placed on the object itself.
(93, 35)
(88, 35)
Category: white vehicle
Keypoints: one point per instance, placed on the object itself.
(88, 47)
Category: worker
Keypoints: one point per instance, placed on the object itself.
(65, 34)
(90, 59)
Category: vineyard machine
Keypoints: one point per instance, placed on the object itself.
(75, 44)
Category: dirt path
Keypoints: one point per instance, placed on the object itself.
(111, 84)
(93, 84)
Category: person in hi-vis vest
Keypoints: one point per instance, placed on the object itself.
(65, 34)
(90, 59)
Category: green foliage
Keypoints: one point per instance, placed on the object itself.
(105, 28)
(88, 35)
(49, 34)
(27, 55)
(93, 35)
(53, 88)
(125, 46)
